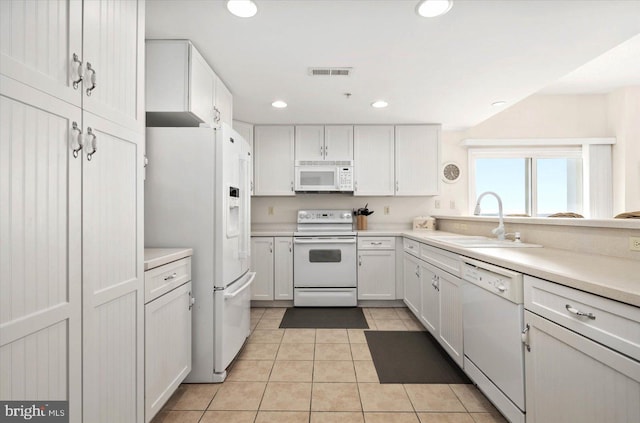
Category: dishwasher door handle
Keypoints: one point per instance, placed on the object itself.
(324, 241)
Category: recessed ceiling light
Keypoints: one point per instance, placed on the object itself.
(242, 8)
(279, 104)
(498, 103)
(433, 8)
(379, 104)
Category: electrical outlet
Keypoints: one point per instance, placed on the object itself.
(452, 204)
(270, 211)
(634, 243)
(436, 204)
(386, 209)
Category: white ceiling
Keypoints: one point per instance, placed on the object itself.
(444, 70)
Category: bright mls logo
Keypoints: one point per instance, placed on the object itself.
(34, 411)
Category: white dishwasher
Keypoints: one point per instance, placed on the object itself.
(493, 323)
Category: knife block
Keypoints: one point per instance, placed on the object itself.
(361, 222)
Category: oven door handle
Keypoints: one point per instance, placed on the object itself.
(324, 241)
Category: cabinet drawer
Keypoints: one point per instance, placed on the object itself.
(162, 279)
(609, 322)
(376, 243)
(443, 259)
(412, 247)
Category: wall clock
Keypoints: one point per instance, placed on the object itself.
(450, 172)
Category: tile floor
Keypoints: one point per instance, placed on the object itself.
(321, 376)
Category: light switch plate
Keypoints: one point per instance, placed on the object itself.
(634, 243)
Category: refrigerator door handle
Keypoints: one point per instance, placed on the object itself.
(244, 244)
(252, 276)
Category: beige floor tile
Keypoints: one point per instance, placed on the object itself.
(335, 397)
(366, 371)
(372, 324)
(266, 323)
(238, 396)
(228, 417)
(292, 371)
(391, 418)
(488, 418)
(299, 336)
(274, 313)
(384, 313)
(336, 417)
(333, 352)
(377, 397)
(433, 397)
(252, 325)
(167, 416)
(396, 324)
(296, 352)
(282, 417)
(331, 336)
(360, 352)
(404, 313)
(472, 399)
(445, 418)
(367, 311)
(192, 396)
(257, 312)
(259, 352)
(286, 396)
(356, 336)
(413, 325)
(333, 371)
(266, 336)
(250, 371)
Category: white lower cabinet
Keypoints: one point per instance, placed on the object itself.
(376, 268)
(570, 377)
(412, 290)
(441, 307)
(272, 260)
(167, 342)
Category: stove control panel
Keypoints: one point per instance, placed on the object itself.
(325, 216)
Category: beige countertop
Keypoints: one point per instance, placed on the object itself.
(154, 257)
(610, 277)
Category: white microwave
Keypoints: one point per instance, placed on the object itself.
(328, 176)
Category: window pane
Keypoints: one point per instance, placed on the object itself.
(559, 186)
(508, 179)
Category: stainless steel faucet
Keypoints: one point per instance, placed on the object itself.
(499, 231)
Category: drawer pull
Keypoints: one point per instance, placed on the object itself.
(376, 243)
(580, 313)
(168, 278)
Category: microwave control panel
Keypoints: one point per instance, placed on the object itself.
(345, 179)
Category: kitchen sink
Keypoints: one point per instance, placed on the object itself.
(483, 242)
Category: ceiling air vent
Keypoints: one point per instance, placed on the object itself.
(330, 71)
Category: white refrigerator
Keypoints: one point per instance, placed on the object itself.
(197, 195)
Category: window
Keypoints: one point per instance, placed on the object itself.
(530, 181)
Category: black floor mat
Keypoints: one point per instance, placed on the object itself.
(412, 357)
(324, 318)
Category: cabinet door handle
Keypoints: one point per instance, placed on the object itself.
(79, 72)
(524, 336)
(93, 143)
(355, 186)
(290, 250)
(326, 149)
(359, 260)
(418, 271)
(433, 282)
(580, 313)
(92, 79)
(271, 247)
(173, 276)
(74, 127)
(291, 185)
(192, 301)
(397, 186)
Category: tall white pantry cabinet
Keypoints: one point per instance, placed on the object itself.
(71, 205)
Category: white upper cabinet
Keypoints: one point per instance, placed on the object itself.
(38, 43)
(338, 142)
(320, 143)
(373, 160)
(113, 56)
(417, 160)
(181, 87)
(309, 142)
(273, 160)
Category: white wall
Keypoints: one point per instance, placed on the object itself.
(624, 122)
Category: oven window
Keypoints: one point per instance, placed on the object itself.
(325, 256)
